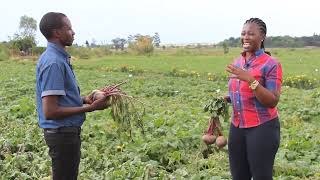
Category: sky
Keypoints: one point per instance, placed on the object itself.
(176, 21)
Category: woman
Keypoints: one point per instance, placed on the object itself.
(254, 91)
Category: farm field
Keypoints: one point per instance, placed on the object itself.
(174, 86)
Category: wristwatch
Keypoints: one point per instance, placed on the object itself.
(254, 85)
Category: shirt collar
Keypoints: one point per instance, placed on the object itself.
(54, 46)
(257, 53)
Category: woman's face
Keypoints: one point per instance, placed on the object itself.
(251, 37)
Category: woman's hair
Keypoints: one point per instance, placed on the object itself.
(51, 21)
(262, 28)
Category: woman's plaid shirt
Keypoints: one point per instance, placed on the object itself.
(247, 110)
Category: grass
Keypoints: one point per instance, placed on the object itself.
(294, 61)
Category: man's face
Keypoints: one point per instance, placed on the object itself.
(66, 34)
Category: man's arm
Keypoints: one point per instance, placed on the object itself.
(52, 110)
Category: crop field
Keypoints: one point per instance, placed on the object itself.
(174, 88)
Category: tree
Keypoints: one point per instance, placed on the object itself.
(131, 39)
(87, 43)
(225, 48)
(27, 26)
(24, 44)
(280, 41)
(119, 43)
(156, 40)
(25, 40)
(142, 44)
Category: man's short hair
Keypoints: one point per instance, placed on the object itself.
(51, 21)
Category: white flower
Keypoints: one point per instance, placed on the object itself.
(316, 70)
(130, 75)
(218, 90)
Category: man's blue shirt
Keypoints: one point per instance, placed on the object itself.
(54, 76)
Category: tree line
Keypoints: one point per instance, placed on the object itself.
(24, 41)
(280, 41)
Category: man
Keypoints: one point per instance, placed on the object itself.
(59, 104)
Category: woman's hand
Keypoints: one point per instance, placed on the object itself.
(240, 73)
(227, 99)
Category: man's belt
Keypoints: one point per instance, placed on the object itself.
(63, 130)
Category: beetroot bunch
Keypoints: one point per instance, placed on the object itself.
(214, 134)
(125, 110)
(218, 108)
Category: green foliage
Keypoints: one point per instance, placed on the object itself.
(26, 39)
(87, 53)
(171, 148)
(127, 112)
(167, 91)
(217, 77)
(23, 43)
(232, 42)
(183, 52)
(156, 40)
(225, 48)
(132, 70)
(301, 82)
(218, 108)
(142, 45)
(183, 73)
(118, 43)
(38, 50)
(280, 41)
(23, 109)
(27, 26)
(4, 52)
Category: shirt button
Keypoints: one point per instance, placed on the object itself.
(239, 113)
(238, 102)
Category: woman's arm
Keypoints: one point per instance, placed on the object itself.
(265, 96)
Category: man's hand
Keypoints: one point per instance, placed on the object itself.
(89, 98)
(100, 104)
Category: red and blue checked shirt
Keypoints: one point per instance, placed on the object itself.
(247, 110)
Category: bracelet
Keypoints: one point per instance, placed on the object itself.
(254, 85)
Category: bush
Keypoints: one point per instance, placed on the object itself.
(83, 53)
(183, 73)
(38, 50)
(132, 70)
(4, 52)
(182, 52)
(301, 82)
(143, 45)
(217, 77)
(100, 52)
(87, 53)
